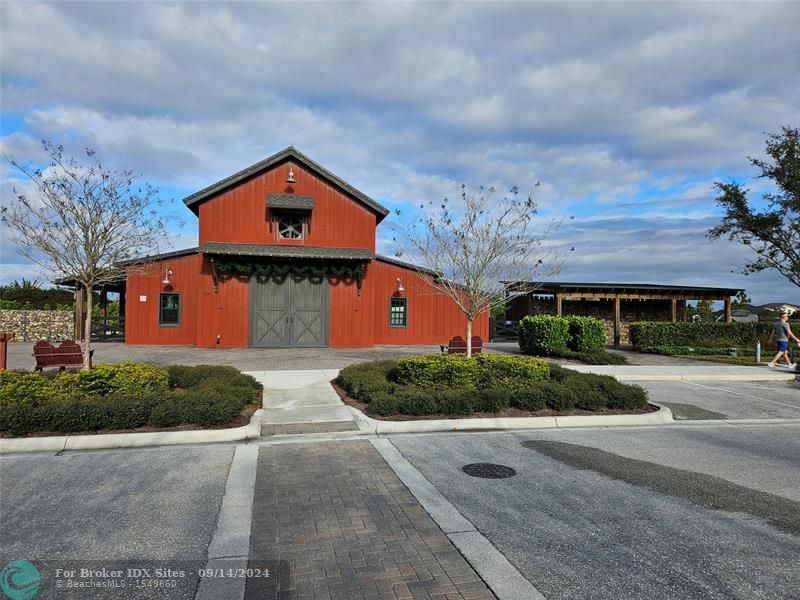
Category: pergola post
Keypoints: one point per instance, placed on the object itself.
(617, 319)
(558, 305)
(728, 309)
(674, 310)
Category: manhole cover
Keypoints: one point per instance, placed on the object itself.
(488, 471)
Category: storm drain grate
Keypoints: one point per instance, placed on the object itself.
(488, 471)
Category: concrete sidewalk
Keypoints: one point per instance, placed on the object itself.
(302, 402)
(712, 372)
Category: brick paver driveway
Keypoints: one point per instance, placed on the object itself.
(334, 521)
(246, 359)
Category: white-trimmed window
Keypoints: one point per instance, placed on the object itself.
(291, 227)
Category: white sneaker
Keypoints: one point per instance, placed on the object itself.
(771, 365)
(792, 366)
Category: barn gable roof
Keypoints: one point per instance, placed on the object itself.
(293, 153)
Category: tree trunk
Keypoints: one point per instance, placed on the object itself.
(87, 330)
(469, 337)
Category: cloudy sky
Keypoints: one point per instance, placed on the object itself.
(625, 112)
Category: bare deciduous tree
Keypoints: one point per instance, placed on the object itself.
(81, 220)
(479, 246)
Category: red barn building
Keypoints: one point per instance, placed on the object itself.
(285, 258)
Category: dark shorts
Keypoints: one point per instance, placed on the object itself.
(783, 346)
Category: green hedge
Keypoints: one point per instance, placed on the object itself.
(481, 371)
(545, 335)
(389, 388)
(123, 396)
(587, 334)
(706, 335)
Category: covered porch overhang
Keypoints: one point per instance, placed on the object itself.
(677, 296)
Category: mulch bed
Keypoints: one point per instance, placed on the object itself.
(509, 412)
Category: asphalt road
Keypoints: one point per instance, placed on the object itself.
(142, 509)
(690, 400)
(682, 512)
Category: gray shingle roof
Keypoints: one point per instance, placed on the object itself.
(290, 152)
(294, 201)
(286, 251)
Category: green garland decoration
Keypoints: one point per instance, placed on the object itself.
(281, 269)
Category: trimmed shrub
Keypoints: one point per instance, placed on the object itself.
(509, 371)
(454, 371)
(383, 404)
(364, 381)
(122, 397)
(415, 401)
(560, 397)
(490, 401)
(623, 396)
(589, 393)
(481, 371)
(602, 357)
(129, 379)
(706, 335)
(181, 376)
(586, 334)
(543, 335)
(531, 398)
(23, 387)
(453, 402)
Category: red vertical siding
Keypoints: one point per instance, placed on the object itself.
(431, 317)
(351, 323)
(141, 301)
(239, 215)
(223, 315)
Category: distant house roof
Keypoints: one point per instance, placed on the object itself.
(286, 251)
(291, 152)
(629, 289)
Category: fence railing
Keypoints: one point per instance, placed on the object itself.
(108, 329)
(501, 330)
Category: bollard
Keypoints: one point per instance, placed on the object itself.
(758, 353)
(4, 337)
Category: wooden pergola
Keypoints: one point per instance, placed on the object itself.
(677, 295)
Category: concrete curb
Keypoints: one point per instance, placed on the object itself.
(132, 440)
(375, 426)
(711, 377)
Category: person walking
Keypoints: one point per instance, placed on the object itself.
(781, 332)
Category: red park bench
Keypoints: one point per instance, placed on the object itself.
(458, 346)
(67, 354)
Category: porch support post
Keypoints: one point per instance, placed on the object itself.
(674, 310)
(728, 309)
(558, 305)
(682, 310)
(617, 319)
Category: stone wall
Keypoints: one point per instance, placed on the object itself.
(35, 325)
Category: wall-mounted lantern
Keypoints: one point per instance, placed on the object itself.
(400, 288)
(290, 178)
(167, 275)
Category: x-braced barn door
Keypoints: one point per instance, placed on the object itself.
(288, 312)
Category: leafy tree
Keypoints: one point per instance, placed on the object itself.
(82, 220)
(773, 231)
(480, 245)
(703, 309)
(741, 300)
(30, 295)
